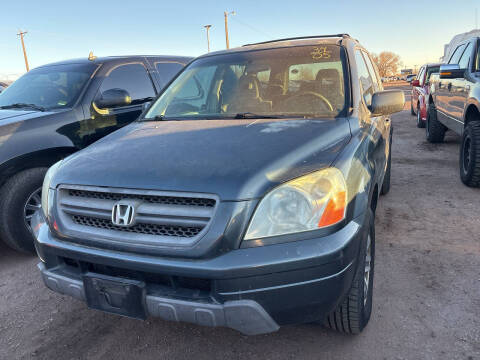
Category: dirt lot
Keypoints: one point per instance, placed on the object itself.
(426, 297)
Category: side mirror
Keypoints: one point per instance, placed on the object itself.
(113, 98)
(415, 83)
(387, 102)
(451, 71)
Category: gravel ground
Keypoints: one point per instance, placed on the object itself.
(426, 290)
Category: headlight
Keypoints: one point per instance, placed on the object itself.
(313, 201)
(46, 187)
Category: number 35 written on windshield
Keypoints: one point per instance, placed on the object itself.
(321, 53)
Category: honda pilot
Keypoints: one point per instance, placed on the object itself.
(243, 197)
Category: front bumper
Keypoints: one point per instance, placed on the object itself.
(246, 316)
(252, 290)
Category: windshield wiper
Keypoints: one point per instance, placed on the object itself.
(23, 105)
(160, 118)
(249, 115)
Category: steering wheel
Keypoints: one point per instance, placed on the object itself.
(307, 98)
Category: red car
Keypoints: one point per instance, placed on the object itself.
(420, 92)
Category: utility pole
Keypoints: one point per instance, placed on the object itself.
(225, 14)
(208, 35)
(21, 34)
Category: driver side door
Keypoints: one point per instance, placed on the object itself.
(379, 127)
(132, 77)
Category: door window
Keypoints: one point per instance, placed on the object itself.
(477, 57)
(130, 77)
(167, 70)
(372, 71)
(465, 59)
(366, 82)
(456, 55)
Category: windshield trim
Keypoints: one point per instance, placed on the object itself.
(231, 116)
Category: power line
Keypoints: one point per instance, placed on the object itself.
(252, 28)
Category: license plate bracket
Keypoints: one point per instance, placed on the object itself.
(115, 295)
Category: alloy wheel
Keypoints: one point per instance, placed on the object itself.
(366, 273)
(427, 127)
(467, 153)
(33, 204)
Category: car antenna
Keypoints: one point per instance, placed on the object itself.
(91, 57)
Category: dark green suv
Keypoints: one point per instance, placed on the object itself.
(243, 197)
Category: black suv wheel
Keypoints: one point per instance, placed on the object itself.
(353, 314)
(435, 130)
(20, 197)
(470, 155)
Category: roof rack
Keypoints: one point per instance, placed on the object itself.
(301, 38)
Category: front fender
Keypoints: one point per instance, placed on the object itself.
(40, 158)
(358, 166)
(34, 142)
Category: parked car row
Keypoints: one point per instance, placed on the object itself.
(410, 78)
(421, 92)
(447, 97)
(243, 196)
(391, 78)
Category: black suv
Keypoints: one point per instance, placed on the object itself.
(244, 196)
(57, 109)
(454, 104)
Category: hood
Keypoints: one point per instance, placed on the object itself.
(15, 113)
(11, 116)
(235, 159)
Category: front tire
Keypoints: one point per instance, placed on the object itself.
(470, 155)
(420, 122)
(435, 130)
(353, 314)
(386, 179)
(411, 108)
(19, 199)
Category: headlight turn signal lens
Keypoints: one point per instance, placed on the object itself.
(46, 193)
(313, 201)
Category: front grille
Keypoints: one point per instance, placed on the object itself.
(161, 218)
(150, 229)
(169, 200)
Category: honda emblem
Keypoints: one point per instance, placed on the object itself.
(123, 214)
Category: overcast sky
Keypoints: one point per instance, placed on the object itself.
(57, 30)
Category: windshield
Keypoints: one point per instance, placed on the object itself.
(301, 81)
(48, 87)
